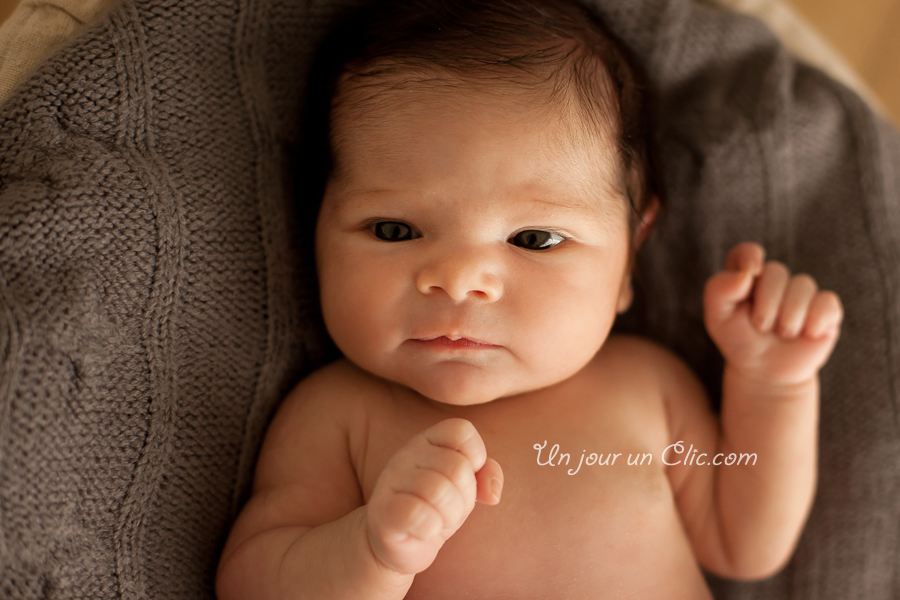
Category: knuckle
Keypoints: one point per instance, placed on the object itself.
(423, 519)
(443, 497)
(464, 429)
(755, 249)
(399, 511)
(436, 489)
(789, 325)
(833, 299)
(459, 470)
(457, 429)
(788, 318)
(745, 247)
(804, 280)
(777, 269)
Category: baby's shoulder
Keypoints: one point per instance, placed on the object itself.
(335, 388)
(641, 361)
(340, 375)
(662, 372)
(633, 354)
(316, 418)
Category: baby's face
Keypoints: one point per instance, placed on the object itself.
(466, 215)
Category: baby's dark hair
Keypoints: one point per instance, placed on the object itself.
(551, 47)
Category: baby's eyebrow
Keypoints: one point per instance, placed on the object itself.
(566, 201)
(570, 202)
(366, 195)
(604, 204)
(376, 192)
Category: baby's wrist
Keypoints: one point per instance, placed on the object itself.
(759, 383)
(373, 577)
(378, 567)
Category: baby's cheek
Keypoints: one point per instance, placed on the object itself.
(357, 306)
(552, 335)
(573, 321)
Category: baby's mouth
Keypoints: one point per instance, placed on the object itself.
(444, 341)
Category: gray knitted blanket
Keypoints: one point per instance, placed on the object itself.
(157, 290)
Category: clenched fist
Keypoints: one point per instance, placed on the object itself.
(427, 491)
(768, 323)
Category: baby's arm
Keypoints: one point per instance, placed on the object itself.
(305, 532)
(775, 333)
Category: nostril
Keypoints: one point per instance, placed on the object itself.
(482, 294)
(461, 293)
(460, 280)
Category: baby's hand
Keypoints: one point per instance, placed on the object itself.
(427, 491)
(767, 323)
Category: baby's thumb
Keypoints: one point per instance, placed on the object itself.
(490, 482)
(723, 292)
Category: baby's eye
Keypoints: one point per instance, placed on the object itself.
(392, 231)
(535, 239)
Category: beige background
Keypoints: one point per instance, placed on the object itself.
(6, 7)
(864, 31)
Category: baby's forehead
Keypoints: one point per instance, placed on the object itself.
(364, 94)
(382, 122)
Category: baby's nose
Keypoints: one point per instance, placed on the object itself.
(469, 273)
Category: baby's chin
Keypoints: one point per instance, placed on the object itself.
(460, 389)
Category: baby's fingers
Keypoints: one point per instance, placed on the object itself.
(801, 289)
(490, 482)
(409, 514)
(726, 289)
(824, 316)
(723, 292)
(768, 294)
(746, 256)
(443, 488)
(460, 435)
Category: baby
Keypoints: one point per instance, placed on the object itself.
(488, 188)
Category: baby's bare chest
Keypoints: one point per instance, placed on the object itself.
(585, 503)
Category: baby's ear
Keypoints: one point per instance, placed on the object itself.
(648, 217)
(626, 295)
